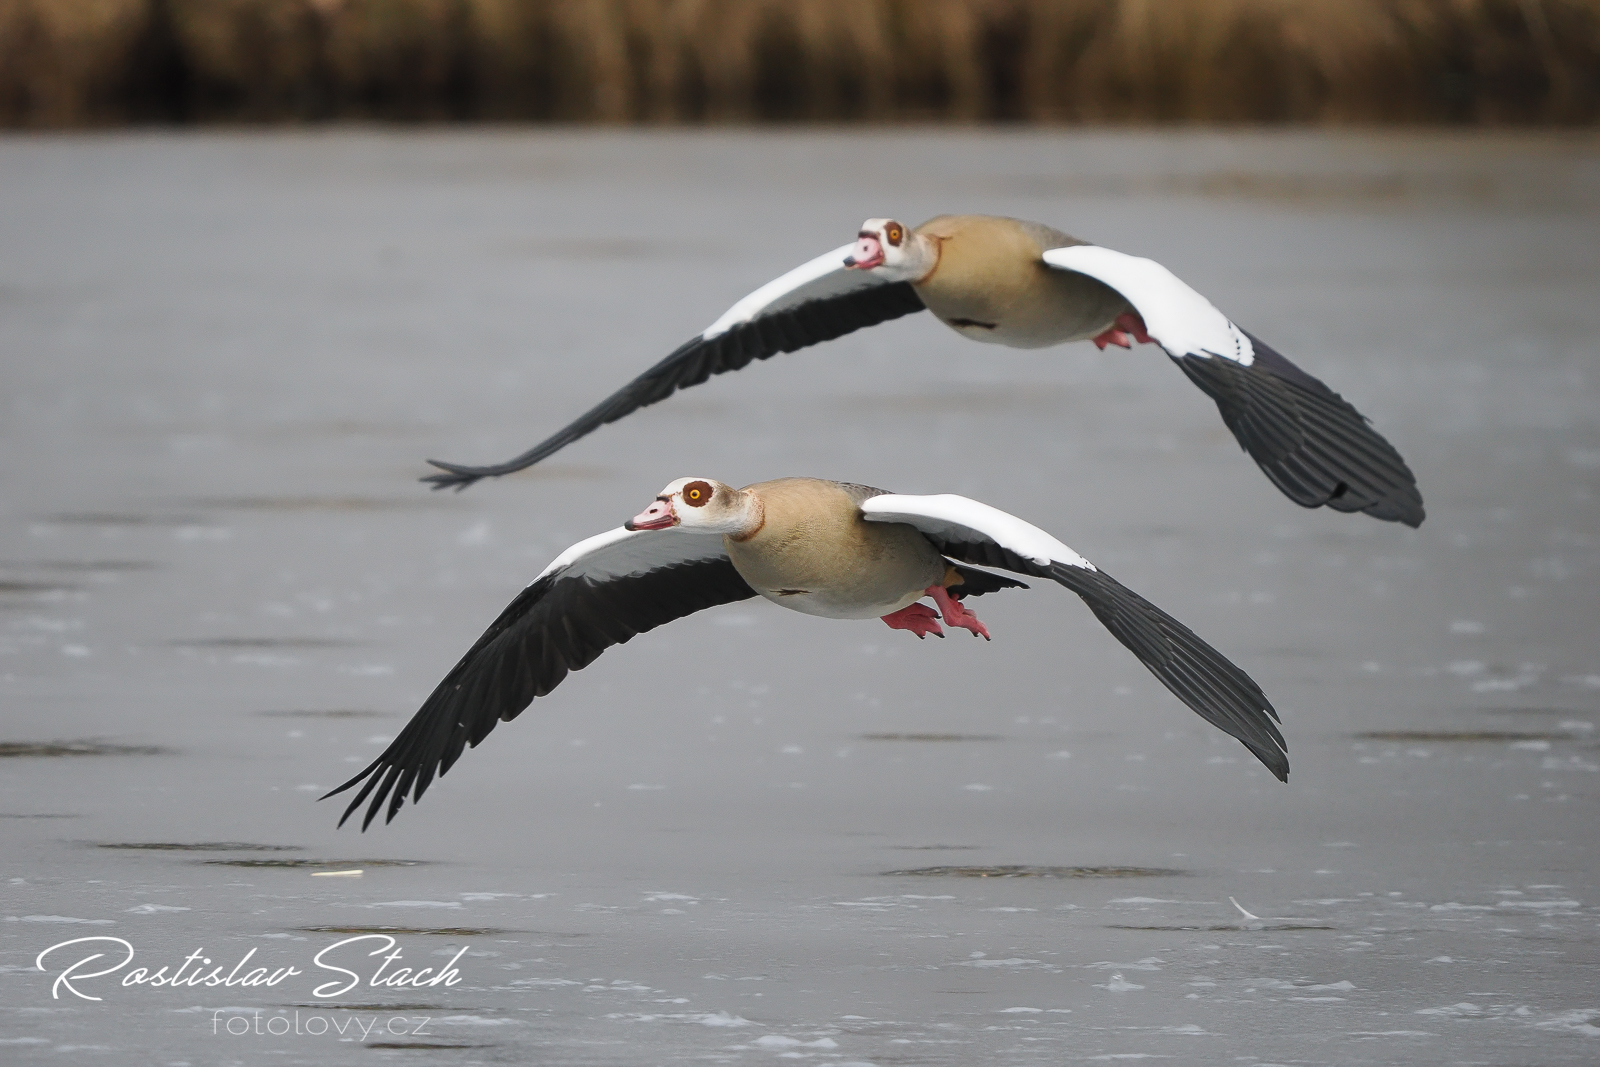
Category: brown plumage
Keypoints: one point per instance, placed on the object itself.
(815, 554)
(989, 284)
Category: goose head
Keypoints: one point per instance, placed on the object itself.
(894, 251)
(701, 505)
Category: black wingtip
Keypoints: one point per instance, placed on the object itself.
(354, 804)
(352, 782)
(1402, 504)
(1311, 442)
(370, 777)
(1275, 760)
(379, 797)
(1404, 507)
(1275, 757)
(453, 476)
(1210, 684)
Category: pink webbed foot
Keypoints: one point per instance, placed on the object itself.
(1128, 329)
(955, 614)
(918, 618)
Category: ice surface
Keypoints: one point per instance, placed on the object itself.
(225, 356)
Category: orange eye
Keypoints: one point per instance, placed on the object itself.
(696, 494)
(894, 234)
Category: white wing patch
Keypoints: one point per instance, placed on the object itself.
(822, 277)
(948, 515)
(1180, 319)
(620, 552)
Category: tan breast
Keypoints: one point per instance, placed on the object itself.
(815, 554)
(990, 284)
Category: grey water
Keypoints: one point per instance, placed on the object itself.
(752, 836)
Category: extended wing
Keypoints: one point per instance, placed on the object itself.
(598, 593)
(815, 302)
(1197, 674)
(1316, 447)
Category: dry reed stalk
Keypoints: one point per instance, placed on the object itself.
(77, 62)
(61, 62)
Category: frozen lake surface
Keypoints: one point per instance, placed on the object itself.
(752, 836)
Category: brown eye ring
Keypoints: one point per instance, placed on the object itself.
(894, 234)
(697, 494)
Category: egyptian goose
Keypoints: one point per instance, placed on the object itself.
(833, 549)
(1005, 281)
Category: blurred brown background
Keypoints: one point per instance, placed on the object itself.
(69, 63)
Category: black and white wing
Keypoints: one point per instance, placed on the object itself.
(1197, 674)
(598, 593)
(1316, 447)
(815, 302)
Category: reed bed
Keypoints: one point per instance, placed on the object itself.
(70, 63)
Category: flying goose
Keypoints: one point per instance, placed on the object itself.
(834, 549)
(1009, 282)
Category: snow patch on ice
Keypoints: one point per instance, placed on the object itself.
(545, 981)
(1578, 1021)
(715, 1019)
(781, 1041)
